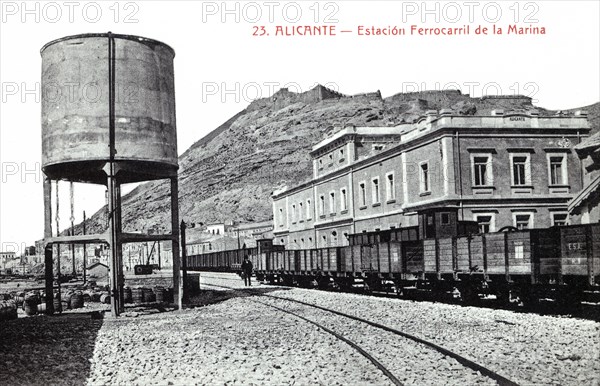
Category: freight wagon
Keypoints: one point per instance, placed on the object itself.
(560, 263)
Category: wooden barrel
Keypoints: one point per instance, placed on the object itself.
(8, 310)
(137, 295)
(30, 305)
(159, 292)
(41, 308)
(5, 297)
(76, 300)
(95, 296)
(149, 296)
(127, 295)
(169, 295)
(87, 297)
(105, 298)
(57, 304)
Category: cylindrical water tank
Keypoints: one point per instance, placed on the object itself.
(76, 112)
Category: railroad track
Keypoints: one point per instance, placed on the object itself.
(589, 311)
(358, 323)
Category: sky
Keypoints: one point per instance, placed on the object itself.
(229, 53)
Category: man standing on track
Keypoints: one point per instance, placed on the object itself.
(247, 270)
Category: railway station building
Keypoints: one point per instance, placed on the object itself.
(505, 169)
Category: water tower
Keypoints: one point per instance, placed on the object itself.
(108, 118)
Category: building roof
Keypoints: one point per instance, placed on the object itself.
(593, 189)
(254, 225)
(589, 145)
(97, 264)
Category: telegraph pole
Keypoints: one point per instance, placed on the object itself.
(84, 251)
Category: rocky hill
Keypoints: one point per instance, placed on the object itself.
(230, 173)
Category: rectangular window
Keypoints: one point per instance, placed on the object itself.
(425, 177)
(391, 188)
(332, 202)
(308, 214)
(445, 218)
(557, 175)
(300, 211)
(559, 219)
(281, 218)
(363, 194)
(343, 199)
(522, 221)
(376, 198)
(322, 205)
(485, 222)
(294, 213)
(482, 175)
(520, 170)
(519, 250)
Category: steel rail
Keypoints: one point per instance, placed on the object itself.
(501, 380)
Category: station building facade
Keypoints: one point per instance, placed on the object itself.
(508, 169)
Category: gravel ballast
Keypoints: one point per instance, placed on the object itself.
(235, 342)
(527, 348)
(238, 341)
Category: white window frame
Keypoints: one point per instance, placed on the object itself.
(492, 219)
(362, 193)
(553, 219)
(343, 199)
(531, 224)
(300, 211)
(376, 190)
(308, 210)
(390, 189)
(321, 205)
(332, 202)
(527, 168)
(489, 169)
(424, 183)
(565, 176)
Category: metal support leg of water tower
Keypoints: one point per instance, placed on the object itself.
(113, 228)
(48, 265)
(177, 295)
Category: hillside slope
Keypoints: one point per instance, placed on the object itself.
(230, 173)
